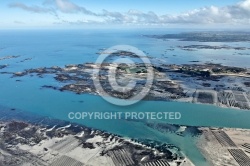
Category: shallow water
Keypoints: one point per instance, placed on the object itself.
(50, 48)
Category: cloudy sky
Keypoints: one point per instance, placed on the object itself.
(111, 13)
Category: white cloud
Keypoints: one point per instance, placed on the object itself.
(34, 9)
(231, 14)
(245, 5)
(66, 6)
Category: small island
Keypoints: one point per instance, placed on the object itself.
(209, 83)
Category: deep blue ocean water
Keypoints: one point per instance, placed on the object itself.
(61, 47)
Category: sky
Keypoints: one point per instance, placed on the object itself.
(127, 13)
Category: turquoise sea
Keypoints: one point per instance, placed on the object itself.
(61, 47)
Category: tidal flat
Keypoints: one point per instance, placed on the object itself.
(199, 79)
(41, 141)
(223, 86)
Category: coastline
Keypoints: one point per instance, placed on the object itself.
(201, 84)
(194, 87)
(49, 141)
(224, 145)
